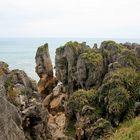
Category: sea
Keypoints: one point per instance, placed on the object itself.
(19, 53)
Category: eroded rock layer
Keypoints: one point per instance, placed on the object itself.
(44, 69)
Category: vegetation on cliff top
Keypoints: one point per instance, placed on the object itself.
(74, 45)
(92, 56)
(43, 47)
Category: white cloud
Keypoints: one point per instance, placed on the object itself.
(74, 18)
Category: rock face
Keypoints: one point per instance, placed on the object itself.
(10, 122)
(22, 115)
(44, 69)
(20, 88)
(66, 61)
(75, 68)
(10, 119)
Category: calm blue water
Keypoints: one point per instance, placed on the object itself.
(19, 53)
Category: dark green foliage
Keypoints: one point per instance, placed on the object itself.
(43, 48)
(129, 58)
(9, 83)
(76, 47)
(71, 128)
(92, 56)
(81, 98)
(111, 47)
(118, 94)
(101, 128)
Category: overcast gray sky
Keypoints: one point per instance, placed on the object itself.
(70, 18)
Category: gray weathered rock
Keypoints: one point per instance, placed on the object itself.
(44, 69)
(10, 122)
(75, 68)
(34, 123)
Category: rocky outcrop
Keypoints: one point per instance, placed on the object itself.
(78, 66)
(44, 69)
(22, 116)
(20, 88)
(106, 70)
(65, 64)
(10, 119)
(119, 55)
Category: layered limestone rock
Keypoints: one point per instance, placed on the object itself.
(20, 88)
(65, 64)
(10, 119)
(55, 103)
(22, 116)
(78, 66)
(44, 69)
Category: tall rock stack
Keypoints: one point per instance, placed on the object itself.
(44, 69)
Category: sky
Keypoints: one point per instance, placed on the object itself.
(70, 18)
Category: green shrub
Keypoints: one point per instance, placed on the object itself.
(92, 56)
(81, 98)
(118, 93)
(9, 83)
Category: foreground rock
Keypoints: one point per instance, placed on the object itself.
(10, 118)
(22, 115)
(34, 123)
(10, 122)
(55, 103)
